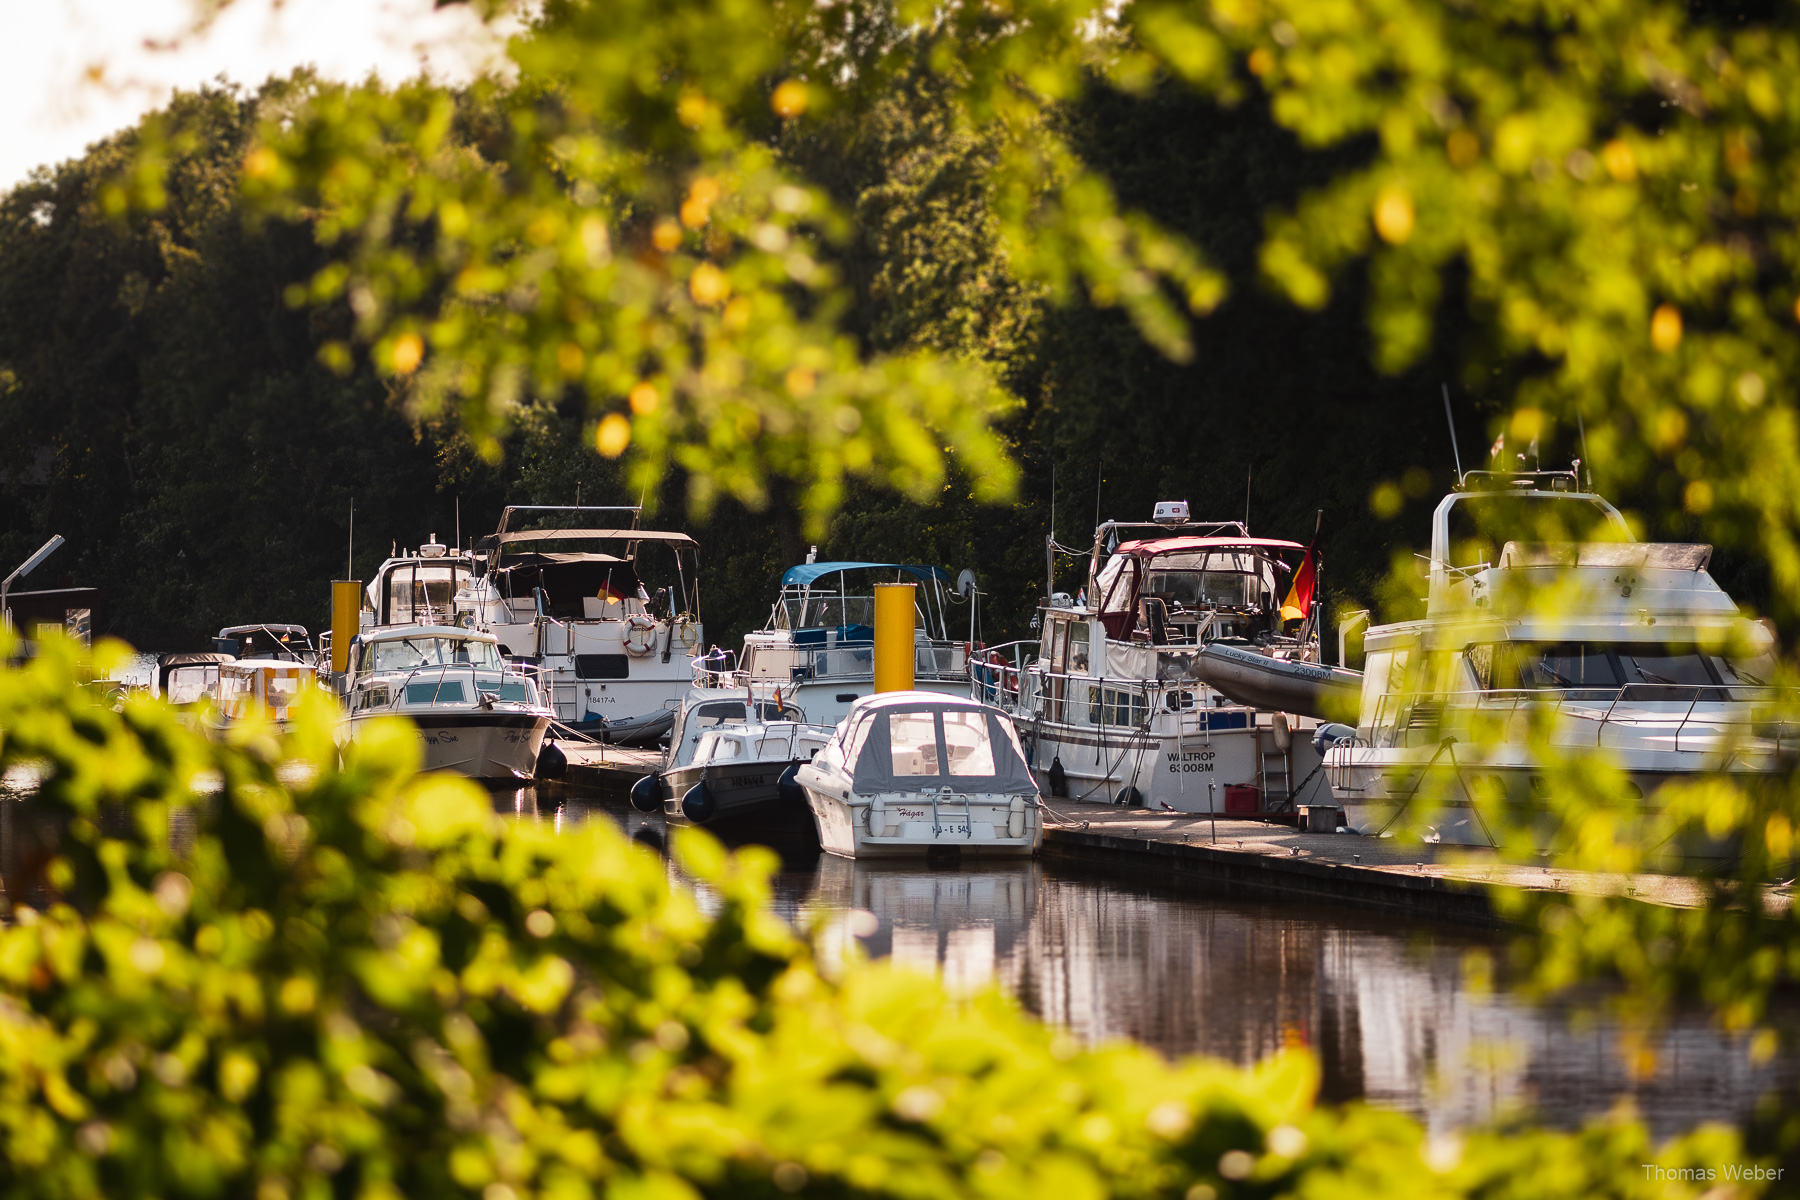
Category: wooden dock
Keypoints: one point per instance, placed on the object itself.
(1253, 859)
(593, 765)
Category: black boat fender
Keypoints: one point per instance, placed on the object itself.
(788, 786)
(552, 763)
(1058, 779)
(646, 794)
(699, 805)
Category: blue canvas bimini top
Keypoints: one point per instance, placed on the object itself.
(807, 573)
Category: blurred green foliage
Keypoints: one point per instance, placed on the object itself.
(256, 971)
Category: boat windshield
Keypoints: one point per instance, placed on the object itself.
(1480, 524)
(1578, 666)
(185, 685)
(1203, 589)
(404, 654)
(800, 611)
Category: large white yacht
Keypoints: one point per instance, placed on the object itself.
(1112, 700)
(475, 716)
(1597, 644)
(818, 648)
(606, 612)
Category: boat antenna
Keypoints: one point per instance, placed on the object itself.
(1249, 474)
(350, 554)
(459, 524)
(1454, 449)
(1581, 427)
(578, 493)
(1099, 478)
(1050, 541)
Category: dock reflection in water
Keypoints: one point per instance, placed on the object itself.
(1383, 1002)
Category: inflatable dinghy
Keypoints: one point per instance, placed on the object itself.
(1307, 689)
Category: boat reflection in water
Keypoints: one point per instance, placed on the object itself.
(1384, 1005)
(1382, 1002)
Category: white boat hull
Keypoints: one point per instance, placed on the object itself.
(481, 745)
(914, 826)
(1178, 772)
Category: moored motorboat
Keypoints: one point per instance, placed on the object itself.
(1123, 697)
(818, 645)
(475, 716)
(1601, 645)
(739, 785)
(918, 773)
(574, 591)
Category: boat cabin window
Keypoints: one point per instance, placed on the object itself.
(966, 743)
(421, 595)
(1078, 648)
(1481, 524)
(1202, 589)
(518, 692)
(404, 654)
(185, 685)
(1577, 666)
(435, 691)
(912, 740)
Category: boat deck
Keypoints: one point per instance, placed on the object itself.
(606, 766)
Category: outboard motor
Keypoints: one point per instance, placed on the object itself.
(646, 794)
(699, 805)
(1059, 779)
(552, 763)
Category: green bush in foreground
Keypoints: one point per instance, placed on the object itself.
(271, 976)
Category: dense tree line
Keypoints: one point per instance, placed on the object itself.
(163, 403)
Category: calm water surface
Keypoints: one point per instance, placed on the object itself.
(1382, 1002)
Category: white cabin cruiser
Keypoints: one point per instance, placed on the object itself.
(818, 647)
(1114, 700)
(1601, 645)
(613, 643)
(476, 715)
(703, 710)
(917, 773)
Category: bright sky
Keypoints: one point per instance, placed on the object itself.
(73, 71)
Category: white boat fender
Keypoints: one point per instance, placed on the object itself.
(551, 762)
(875, 817)
(646, 794)
(640, 634)
(1284, 732)
(699, 805)
(1015, 818)
(1331, 734)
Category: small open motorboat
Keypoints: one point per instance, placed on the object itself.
(912, 773)
(739, 783)
(477, 715)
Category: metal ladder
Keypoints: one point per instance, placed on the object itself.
(1277, 784)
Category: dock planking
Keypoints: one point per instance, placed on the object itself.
(1251, 859)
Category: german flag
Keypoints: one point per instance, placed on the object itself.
(1298, 604)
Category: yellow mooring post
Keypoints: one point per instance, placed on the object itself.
(894, 612)
(346, 607)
